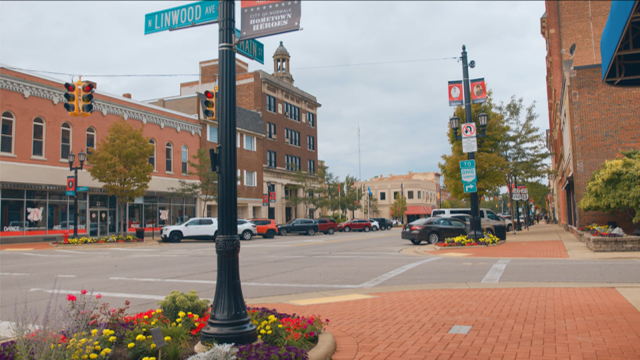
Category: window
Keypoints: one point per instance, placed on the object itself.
(419, 194)
(237, 139)
(410, 194)
(383, 196)
(8, 123)
(38, 137)
(250, 143)
(291, 111)
(169, 156)
(250, 178)
(395, 194)
(238, 176)
(271, 103)
(152, 158)
(271, 130)
(312, 166)
(292, 136)
(271, 158)
(311, 143)
(185, 159)
(91, 139)
(212, 133)
(65, 141)
(311, 119)
(293, 162)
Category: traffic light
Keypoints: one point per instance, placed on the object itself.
(86, 98)
(72, 99)
(209, 110)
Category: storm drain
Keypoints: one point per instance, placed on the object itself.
(460, 329)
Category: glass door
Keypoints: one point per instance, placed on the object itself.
(94, 218)
(98, 223)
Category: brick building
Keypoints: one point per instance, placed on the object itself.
(589, 122)
(38, 134)
(289, 136)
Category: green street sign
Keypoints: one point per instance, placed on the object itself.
(470, 187)
(71, 193)
(253, 49)
(82, 188)
(180, 17)
(468, 171)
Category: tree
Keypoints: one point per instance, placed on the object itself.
(490, 163)
(207, 188)
(454, 203)
(399, 206)
(538, 192)
(121, 162)
(523, 146)
(616, 187)
(371, 206)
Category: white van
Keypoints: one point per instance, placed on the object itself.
(488, 218)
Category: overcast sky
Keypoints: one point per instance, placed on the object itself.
(400, 102)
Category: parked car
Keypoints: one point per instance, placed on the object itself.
(327, 225)
(434, 229)
(196, 229)
(375, 226)
(507, 222)
(246, 229)
(267, 228)
(355, 224)
(301, 226)
(487, 217)
(385, 224)
(467, 219)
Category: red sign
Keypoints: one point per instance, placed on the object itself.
(265, 199)
(478, 91)
(71, 183)
(272, 197)
(455, 93)
(469, 130)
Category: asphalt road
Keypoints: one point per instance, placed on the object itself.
(294, 264)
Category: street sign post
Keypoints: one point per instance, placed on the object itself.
(470, 188)
(82, 188)
(468, 171)
(469, 140)
(181, 17)
(70, 193)
(253, 49)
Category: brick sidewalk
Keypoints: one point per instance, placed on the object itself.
(521, 323)
(511, 249)
(27, 246)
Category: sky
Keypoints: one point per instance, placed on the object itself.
(379, 66)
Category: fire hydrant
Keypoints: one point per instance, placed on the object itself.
(65, 236)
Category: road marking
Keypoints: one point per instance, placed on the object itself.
(124, 249)
(84, 252)
(164, 280)
(341, 240)
(384, 277)
(243, 283)
(18, 249)
(493, 276)
(30, 254)
(109, 294)
(15, 274)
(258, 246)
(67, 276)
(331, 299)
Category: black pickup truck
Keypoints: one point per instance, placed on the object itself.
(301, 226)
(385, 224)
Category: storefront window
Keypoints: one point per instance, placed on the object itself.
(150, 216)
(12, 214)
(82, 217)
(164, 200)
(135, 219)
(36, 222)
(12, 194)
(57, 195)
(57, 217)
(177, 214)
(190, 212)
(97, 201)
(37, 194)
(164, 215)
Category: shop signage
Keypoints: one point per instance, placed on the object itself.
(478, 91)
(261, 18)
(455, 93)
(35, 214)
(180, 17)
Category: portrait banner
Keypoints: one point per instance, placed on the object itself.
(478, 91)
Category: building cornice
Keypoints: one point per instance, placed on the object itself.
(288, 87)
(28, 88)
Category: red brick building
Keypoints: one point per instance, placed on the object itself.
(38, 134)
(589, 122)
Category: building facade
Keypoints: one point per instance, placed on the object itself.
(589, 122)
(38, 135)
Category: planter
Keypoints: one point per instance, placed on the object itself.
(466, 247)
(609, 244)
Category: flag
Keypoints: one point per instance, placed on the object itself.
(345, 188)
(370, 193)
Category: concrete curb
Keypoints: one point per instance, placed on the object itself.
(107, 245)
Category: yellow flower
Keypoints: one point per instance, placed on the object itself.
(112, 339)
(262, 332)
(178, 320)
(181, 314)
(146, 317)
(96, 343)
(153, 346)
(107, 350)
(268, 327)
(173, 324)
(103, 354)
(143, 329)
(131, 345)
(269, 332)
(159, 311)
(189, 313)
(97, 348)
(140, 337)
(255, 322)
(167, 338)
(149, 337)
(93, 356)
(52, 346)
(145, 358)
(280, 325)
(153, 322)
(84, 357)
(259, 336)
(196, 317)
(105, 332)
(152, 358)
(179, 325)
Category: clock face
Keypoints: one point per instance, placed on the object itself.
(455, 92)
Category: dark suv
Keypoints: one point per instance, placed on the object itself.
(384, 223)
(301, 226)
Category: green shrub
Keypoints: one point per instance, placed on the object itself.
(178, 301)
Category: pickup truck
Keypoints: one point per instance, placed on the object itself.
(301, 226)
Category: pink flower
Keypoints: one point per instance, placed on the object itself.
(83, 291)
(71, 298)
(113, 310)
(98, 296)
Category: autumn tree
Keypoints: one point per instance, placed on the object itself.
(490, 163)
(615, 187)
(399, 206)
(121, 162)
(207, 188)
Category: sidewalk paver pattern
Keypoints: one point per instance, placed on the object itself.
(513, 249)
(518, 323)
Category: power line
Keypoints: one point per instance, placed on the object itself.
(174, 75)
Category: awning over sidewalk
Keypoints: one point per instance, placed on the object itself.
(620, 45)
(418, 210)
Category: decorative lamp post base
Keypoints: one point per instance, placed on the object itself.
(237, 331)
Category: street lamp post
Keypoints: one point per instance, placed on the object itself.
(483, 119)
(269, 199)
(228, 321)
(71, 157)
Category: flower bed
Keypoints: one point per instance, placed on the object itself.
(81, 329)
(605, 231)
(465, 240)
(103, 240)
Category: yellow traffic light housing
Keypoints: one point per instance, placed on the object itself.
(72, 98)
(86, 105)
(209, 110)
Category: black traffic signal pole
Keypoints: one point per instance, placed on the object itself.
(229, 321)
(519, 227)
(476, 228)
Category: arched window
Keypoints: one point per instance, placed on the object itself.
(65, 141)
(169, 156)
(152, 158)
(91, 138)
(8, 132)
(185, 159)
(38, 137)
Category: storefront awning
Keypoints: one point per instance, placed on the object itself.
(620, 45)
(418, 210)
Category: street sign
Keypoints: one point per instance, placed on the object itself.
(469, 144)
(180, 17)
(71, 193)
(516, 196)
(524, 191)
(525, 197)
(253, 49)
(468, 171)
(470, 188)
(82, 188)
(269, 17)
(468, 130)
